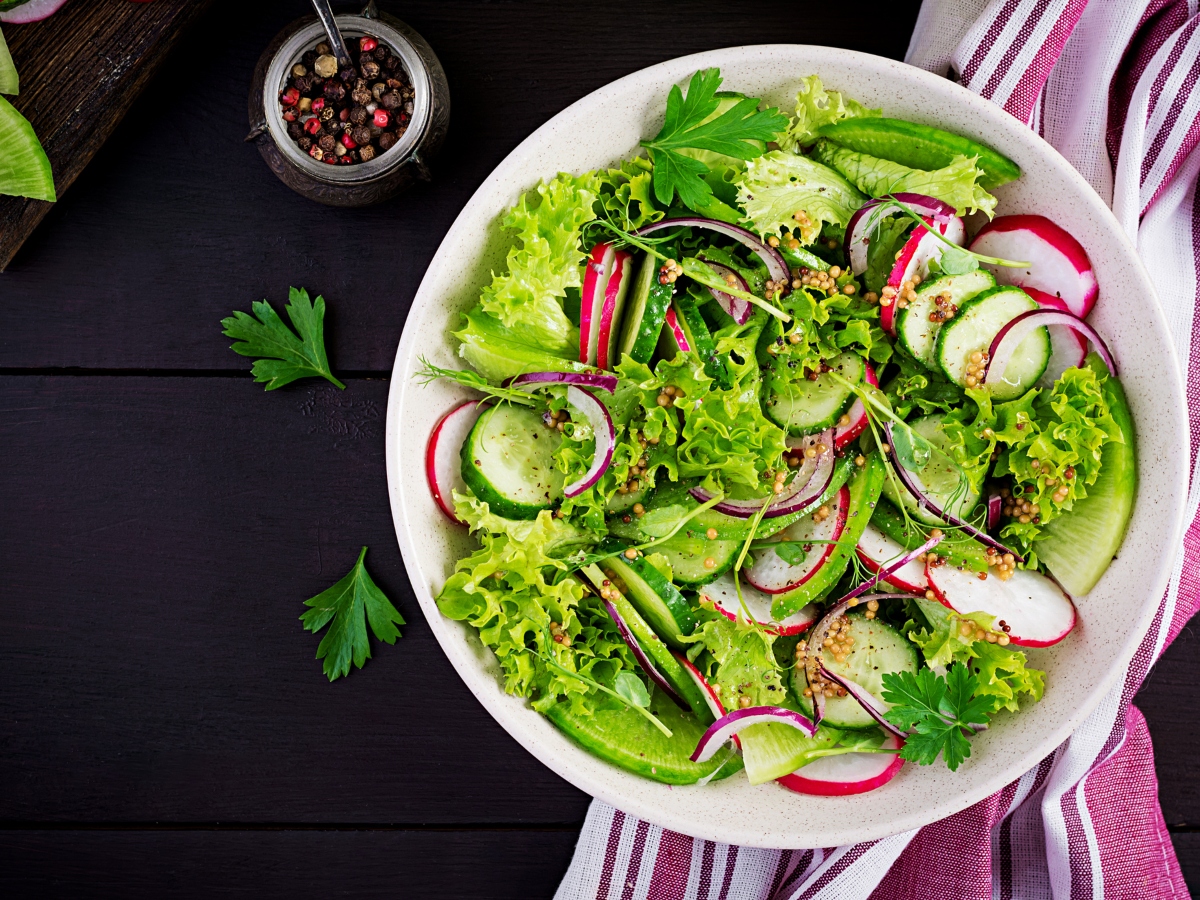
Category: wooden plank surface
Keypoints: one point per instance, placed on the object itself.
(81, 70)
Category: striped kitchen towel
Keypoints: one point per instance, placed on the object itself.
(1112, 85)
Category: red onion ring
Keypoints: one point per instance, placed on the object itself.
(737, 308)
(769, 255)
(533, 380)
(605, 433)
(1006, 341)
(731, 723)
(995, 505)
(868, 701)
(643, 660)
(798, 494)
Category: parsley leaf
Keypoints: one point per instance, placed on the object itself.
(351, 604)
(692, 122)
(283, 356)
(936, 710)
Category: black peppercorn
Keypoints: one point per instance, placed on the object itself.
(327, 142)
(387, 141)
(370, 69)
(295, 130)
(327, 114)
(391, 63)
(361, 134)
(395, 83)
(302, 83)
(362, 96)
(309, 58)
(304, 142)
(381, 50)
(322, 49)
(348, 74)
(391, 100)
(366, 152)
(359, 115)
(365, 56)
(334, 91)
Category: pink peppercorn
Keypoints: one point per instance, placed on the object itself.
(381, 118)
(290, 97)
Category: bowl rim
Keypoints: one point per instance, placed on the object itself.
(489, 692)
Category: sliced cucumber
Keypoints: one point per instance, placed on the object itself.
(978, 321)
(646, 309)
(802, 406)
(508, 461)
(770, 751)
(917, 332)
(877, 650)
(864, 486)
(941, 480)
(623, 502)
(1078, 546)
(688, 315)
(689, 557)
(658, 600)
(961, 550)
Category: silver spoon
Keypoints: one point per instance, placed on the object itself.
(336, 41)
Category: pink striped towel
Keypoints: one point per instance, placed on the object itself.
(1112, 85)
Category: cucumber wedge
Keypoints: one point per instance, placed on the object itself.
(771, 751)
(917, 332)
(645, 311)
(940, 479)
(978, 321)
(658, 600)
(689, 558)
(802, 406)
(508, 460)
(1078, 546)
(24, 168)
(695, 329)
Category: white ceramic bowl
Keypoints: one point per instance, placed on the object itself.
(604, 127)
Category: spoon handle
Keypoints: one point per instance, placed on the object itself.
(336, 41)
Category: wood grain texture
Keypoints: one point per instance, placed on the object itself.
(81, 70)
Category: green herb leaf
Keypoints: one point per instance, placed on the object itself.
(791, 552)
(283, 357)
(351, 604)
(957, 261)
(631, 688)
(912, 451)
(937, 711)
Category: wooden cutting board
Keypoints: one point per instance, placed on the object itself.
(81, 70)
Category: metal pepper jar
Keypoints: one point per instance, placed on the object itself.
(388, 173)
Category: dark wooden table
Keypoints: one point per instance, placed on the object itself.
(164, 728)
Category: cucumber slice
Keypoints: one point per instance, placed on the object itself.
(689, 556)
(962, 551)
(771, 751)
(1078, 546)
(687, 313)
(940, 479)
(802, 406)
(508, 461)
(878, 649)
(645, 313)
(916, 331)
(978, 321)
(24, 168)
(623, 502)
(659, 602)
(865, 486)
(625, 739)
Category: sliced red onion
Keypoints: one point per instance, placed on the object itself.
(769, 255)
(605, 434)
(907, 479)
(868, 701)
(738, 308)
(677, 332)
(643, 660)
(995, 506)
(1006, 341)
(865, 222)
(720, 731)
(799, 493)
(533, 380)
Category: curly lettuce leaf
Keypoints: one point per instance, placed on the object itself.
(545, 261)
(740, 661)
(626, 194)
(956, 184)
(885, 243)
(783, 191)
(496, 352)
(915, 388)
(815, 108)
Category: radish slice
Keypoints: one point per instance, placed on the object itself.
(678, 335)
(876, 550)
(710, 695)
(591, 300)
(847, 773)
(921, 248)
(807, 485)
(534, 380)
(738, 308)
(844, 434)
(771, 257)
(32, 11)
(874, 707)
(1068, 348)
(443, 460)
(731, 723)
(864, 223)
(615, 289)
(1006, 341)
(771, 574)
(643, 660)
(723, 594)
(604, 432)
(1037, 611)
(1058, 264)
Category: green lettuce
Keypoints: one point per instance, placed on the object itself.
(915, 388)
(496, 352)
(887, 240)
(815, 108)
(626, 194)
(956, 184)
(549, 221)
(783, 191)
(740, 661)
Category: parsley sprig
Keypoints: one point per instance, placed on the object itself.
(741, 131)
(283, 357)
(939, 712)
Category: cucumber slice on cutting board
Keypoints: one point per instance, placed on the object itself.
(24, 168)
(941, 479)
(917, 332)
(1078, 546)
(508, 461)
(978, 321)
(802, 406)
(645, 312)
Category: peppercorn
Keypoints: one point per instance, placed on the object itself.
(366, 43)
(378, 90)
(359, 115)
(348, 74)
(304, 142)
(295, 130)
(391, 100)
(302, 84)
(387, 141)
(309, 57)
(327, 142)
(395, 84)
(313, 126)
(322, 49)
(334, 91)
(361, 96)
(325, 66)
(391, 63)
(381, 118)
(348, 141)
(366, 152)
(370, 69)
(316, 153)
(361, 135)
(290, 97)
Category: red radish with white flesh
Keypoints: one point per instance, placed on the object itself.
(1068, 348)
(678, 335)
(876, 550)
(723, 595)
(715, 706)
(33, 11)
(615, 290)
(847, 773)
(771, 257)
(738, 308)
(719, 733)
(772, 574)
(1058, 264)
(922, 247)
(1036, 610)
(844, 434)
(806, 486)
(643, 660)
(863, 224)
(591, 300)
(443, 459)
(605, 434)
(1009, 338)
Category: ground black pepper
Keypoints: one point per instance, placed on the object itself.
(349, 115)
